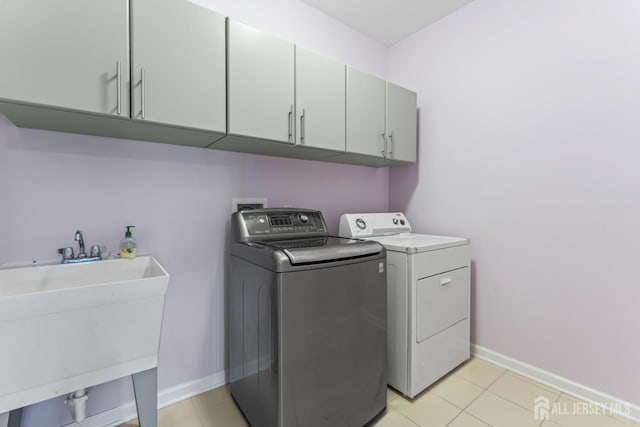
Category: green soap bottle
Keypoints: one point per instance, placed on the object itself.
(128, 244)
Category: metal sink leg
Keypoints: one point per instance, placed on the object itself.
(145, 387)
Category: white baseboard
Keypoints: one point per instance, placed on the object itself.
(166, 397)
(552, 380)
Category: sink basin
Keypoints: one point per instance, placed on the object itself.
(72, 326)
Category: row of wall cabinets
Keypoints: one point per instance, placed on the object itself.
(172, 71)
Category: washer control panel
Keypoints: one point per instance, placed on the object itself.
(281, 223)
(373, 224)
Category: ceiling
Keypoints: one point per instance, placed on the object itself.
(387, 21)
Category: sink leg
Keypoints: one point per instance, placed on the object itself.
(145, 387)
(15, 418)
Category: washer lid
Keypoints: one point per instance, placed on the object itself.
(323, 249)
(412, 243)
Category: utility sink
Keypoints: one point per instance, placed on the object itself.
(70, 326)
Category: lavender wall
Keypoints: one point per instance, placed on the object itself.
(296, 21)
(529, 130)
(180, 200)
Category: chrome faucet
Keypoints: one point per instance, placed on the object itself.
(67, 253)
(80, 240)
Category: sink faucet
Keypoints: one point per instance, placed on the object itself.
(67, 253)
(80, 240)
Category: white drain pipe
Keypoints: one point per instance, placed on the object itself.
(77, 402)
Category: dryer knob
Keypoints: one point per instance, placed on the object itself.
(303, 218)
(402, 222)
(395, 221)
(361, 224)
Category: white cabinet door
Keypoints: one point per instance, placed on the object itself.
(66, 53)
(260, 92)
(178, 57)
(320, 101)
(402, 124)
(365, 114)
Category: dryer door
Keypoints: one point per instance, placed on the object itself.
(441, 301)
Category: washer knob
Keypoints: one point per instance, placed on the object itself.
(395, 221)
(402, 222)
(303, 218)
(361, 224)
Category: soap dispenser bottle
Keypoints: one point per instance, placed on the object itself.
(128, 244)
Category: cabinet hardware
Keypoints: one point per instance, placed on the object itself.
(142, 99)
(302, 127)
(384, 149)
(290, 123)
(118, 89)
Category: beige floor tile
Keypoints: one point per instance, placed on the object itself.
(499, 412)
(171, 415)
(479, 372)
(180, 414)
(520, 391)
(624, 420)
(224, 413)
(457, 390)
(215, 396)
(466, 420)
(534, 382)
(394, 419)
(428, 410)
(191, 421)
(577, 413)
(391, 394)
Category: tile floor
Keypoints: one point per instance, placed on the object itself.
(477, 394)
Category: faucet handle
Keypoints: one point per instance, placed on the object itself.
(67, 253)
(95, 251)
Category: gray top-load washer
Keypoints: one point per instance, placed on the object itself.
(307, 319)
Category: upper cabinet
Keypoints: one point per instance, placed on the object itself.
(172, 71)
(66, 53)
(260, 78)
(381, 120)
(278, 92)
(320, 101)
(178, 64)
(365, 114)
(401, 124)
(64, 59)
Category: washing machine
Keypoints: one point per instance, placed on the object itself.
(428, 298)
(307, 322)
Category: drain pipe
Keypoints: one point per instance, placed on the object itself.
(77, 402)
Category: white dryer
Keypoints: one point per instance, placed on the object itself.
(428, 298)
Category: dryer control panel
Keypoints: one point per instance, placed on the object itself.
(373, 224)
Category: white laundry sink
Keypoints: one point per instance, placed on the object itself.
(72, 326)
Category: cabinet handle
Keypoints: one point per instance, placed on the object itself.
(392, 143)
(290, 123)
(118, 87)
(142, 108)
(302, 128)
(384, 149)
(445, 281)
